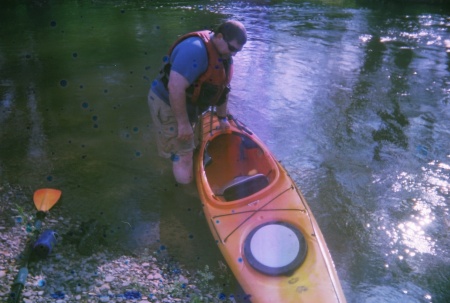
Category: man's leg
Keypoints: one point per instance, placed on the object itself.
(181, 152)
(182, 166)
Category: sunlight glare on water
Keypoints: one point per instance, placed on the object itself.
(430, 190)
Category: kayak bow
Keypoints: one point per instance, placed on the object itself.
(260, 219)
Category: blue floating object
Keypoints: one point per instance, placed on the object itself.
(41, 283)
(132, 295)
(19, 219)
(58, 295)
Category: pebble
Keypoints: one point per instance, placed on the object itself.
(27, 294)
(104, 276)
(183, 279)
(105, 287)
(109, 278)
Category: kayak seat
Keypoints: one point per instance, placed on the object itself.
(244, 186)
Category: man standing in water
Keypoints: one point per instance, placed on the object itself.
(196, 74)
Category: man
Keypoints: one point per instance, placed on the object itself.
(196, 74)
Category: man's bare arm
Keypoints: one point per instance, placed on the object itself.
(177, 97)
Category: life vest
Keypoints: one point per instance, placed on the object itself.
(212, 87)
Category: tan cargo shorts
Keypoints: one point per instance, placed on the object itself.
(166, 128)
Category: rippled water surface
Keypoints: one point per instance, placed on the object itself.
(352, 99)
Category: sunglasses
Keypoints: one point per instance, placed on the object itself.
(231, 48)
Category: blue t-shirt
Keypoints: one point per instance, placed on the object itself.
(189, 58)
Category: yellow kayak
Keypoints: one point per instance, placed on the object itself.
(260, 219)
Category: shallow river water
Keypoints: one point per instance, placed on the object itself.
(353, 99)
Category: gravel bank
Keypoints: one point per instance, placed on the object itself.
(106, 275)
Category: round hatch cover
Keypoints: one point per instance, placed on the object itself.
(275, 248)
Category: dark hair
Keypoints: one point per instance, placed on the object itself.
(232, 30)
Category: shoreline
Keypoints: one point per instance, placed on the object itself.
(110, 274)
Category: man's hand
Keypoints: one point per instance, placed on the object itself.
(185, 131)
(224, 124)
(222, 112)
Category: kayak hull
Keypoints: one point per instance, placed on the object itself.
(260, 220)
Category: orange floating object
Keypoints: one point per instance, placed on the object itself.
(45, 198)
(260, 220)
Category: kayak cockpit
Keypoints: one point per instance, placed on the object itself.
(236, 166)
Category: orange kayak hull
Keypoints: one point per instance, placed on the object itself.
(260, 220)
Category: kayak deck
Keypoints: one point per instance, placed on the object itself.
(260, 220)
